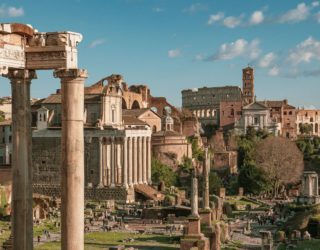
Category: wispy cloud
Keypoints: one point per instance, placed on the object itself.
(11, 11)
(298, 14)
(274, 71)
(267, 60)
(157, 9)
(240, 47)
(97, 42)
(196, 7)
(305, 52)
(232, 21)
(174, 53)
(215, 18)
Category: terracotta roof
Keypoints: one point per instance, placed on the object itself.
(56, 99)
(131, 120)
(137, 112)
(273, 104)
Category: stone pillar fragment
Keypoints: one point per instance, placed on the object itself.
(144, 159)
(72, 169)
(130, 161)
(206, 171)
(101, 170)
(22, 222)
(149, 160)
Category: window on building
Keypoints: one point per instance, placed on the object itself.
(311, 119)
(290, 112)
(256, 120)
(285, 112)
(10, 138)
(232, 112)
(91, 171)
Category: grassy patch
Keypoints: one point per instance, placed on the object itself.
(303, 245)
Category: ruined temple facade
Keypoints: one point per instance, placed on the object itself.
(117, 148)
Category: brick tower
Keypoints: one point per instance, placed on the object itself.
(248, 85)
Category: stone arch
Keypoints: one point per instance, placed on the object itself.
(124, 104)
(135, 105)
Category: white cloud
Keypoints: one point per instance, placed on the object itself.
(300, 13)
(267, 60)
(96, 43)
(157, 9)
(274, 71)
(199, 57)
(232, 22)
(215, 18)
(306, 51)
(315, 4)
(257, 17)
(174, 53)
(240, 47)
(11, 11)
(196, 7)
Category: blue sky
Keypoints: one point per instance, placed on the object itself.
(172, 45)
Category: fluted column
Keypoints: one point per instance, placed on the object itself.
(119, 165)
(72, 169)
(101, 170)
(130, 161)
(21, 217)
(125, 163)
(113, 161)
(107, 163)
(140, 161)
(144, 161)
(149, 160)
(135, 160)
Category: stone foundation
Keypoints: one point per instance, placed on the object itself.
(116, 193)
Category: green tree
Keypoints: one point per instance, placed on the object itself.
(215, 183)
(161, 172)
(245, 151)
(305, 129)
(1, 116)
(253, 179)
(301, 145)
(197, 152)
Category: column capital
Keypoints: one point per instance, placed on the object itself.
(21, 74)
(70, 73)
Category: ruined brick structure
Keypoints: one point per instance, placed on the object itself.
(220, 106)
(308, 116)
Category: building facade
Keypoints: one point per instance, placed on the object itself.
(117, 148)
(310, 117)
(257, 116)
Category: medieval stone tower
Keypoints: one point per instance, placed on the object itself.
(248, 85)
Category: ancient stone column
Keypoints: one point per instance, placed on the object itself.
(119, 165)
(194, 197)
(125, 163)
(135, 160)
(130, 165)
(22, 222)
(140, 161)
(144, 161)
(101, 170)
(206, 171)
(113, 161)
(72, 168)
(108, 163)
(149, 160)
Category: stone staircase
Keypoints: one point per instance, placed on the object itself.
(149, 192)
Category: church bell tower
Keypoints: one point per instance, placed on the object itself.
(248, 85)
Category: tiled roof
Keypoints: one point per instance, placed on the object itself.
(131, 120)
(166, 133)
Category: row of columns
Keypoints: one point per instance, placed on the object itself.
(72, 166)
(125, 161)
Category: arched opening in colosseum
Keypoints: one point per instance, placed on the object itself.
(124, 104)
(135, 105)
